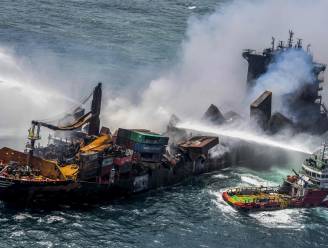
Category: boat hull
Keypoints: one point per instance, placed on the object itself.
(317, 198)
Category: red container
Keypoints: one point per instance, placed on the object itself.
(122, 161)
(106, 170)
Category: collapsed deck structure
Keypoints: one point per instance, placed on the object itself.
(92, 164)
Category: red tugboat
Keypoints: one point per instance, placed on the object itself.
(306, 189)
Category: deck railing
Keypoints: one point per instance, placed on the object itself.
(253, 190)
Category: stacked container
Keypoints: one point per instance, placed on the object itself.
(148, 146)
(89, 165)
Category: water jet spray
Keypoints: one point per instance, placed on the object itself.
(243, 135)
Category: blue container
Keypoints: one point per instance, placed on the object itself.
(147, 148)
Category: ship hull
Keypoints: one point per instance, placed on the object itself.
(317, 198)
(30, 193)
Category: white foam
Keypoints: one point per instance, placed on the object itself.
(220, 176)
(48, 244)
(256, 181)
(53, 218)
(77, 225)
(221, 204)
(286, 218)
(17, 234)
(22, 216)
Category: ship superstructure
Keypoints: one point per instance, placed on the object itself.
(305, 105)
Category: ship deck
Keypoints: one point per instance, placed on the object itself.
(255, 198)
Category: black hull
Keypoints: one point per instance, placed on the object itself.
(29, 194)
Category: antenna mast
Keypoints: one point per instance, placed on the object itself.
(323, 151)
(308, 48)
(273, 43)
(290, 40)
(299, 43)
(281, 44)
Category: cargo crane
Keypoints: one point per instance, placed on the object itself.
(102, 166)
(91, 118)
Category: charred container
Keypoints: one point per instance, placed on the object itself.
(146, 146)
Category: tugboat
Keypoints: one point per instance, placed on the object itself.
(93, 165)
(306, 189)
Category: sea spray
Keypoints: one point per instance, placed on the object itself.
(246, 136)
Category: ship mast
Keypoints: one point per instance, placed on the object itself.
(323, 151)
(94, 124)
(299, 43)
(91, 117)
(273, 43)
(290, 40)
(33, 135)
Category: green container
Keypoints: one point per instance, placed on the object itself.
(148, 138)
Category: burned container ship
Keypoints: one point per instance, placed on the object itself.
(94, 165)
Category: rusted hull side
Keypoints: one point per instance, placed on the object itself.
(28, 193)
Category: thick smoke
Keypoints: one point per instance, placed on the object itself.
(211, 69)
(21, 94)
(30, 89)
(290, 71)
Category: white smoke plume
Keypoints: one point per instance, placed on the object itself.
(219, 150)
(291, 70)
(30, 89)
(211, 69)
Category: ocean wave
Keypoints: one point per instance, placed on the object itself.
(221, 204)
(17, 234)
(54, 218)
(220, 176)
(47, 244)
(286, 218)
(253, 180)
(22, 216)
